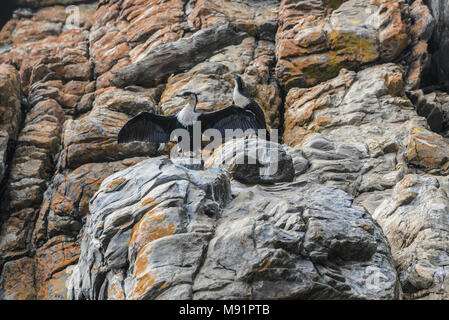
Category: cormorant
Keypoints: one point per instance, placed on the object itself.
(150, 127)
(241, 99)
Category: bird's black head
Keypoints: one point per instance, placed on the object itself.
(239, 82)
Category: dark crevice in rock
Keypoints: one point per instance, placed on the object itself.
(430, 80)
(283, 95)
(11, 150)
(202, 261)
(8, 7)
(435, 77)
(3, 183)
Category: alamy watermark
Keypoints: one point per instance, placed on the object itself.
(234, 147)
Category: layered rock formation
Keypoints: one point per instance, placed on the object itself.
(161, 231)
(355, 204)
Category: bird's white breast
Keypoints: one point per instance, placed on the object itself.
(187, 116)
(240, 99)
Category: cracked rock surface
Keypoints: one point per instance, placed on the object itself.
(354, 207)
(161, 231)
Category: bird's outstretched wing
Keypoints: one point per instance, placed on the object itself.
(147, 127)
(232, 117)
(257, 110)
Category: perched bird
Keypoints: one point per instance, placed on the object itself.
(150, 127)
(241, 99)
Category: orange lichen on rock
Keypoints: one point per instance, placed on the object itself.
(301, 106)
(427, 150)
(55, 288)
(265, 266)
(151, 227)
(76, 189)
(393, 36)
(113, 185)
(144, 280)
(55, 255)
(395, 84)
(18, 280)
(144, 283)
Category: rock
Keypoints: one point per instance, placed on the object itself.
(177, 56)
(313, 43)
(32, 165)
(435, 119)
(66, 203)
(16, 281)
(433, 106)
(52, 260)
(271, 247)
(330, 124)
(54, 237)
(427, 151)
(419, 62)
(136, 28)
(414, 219)
(257, 18)
(189, 163)
(393, 35)
(349, 101)
(438, 104)
(300, 163)
(424, 21)
(175, 208)
(93, 138)
(355, 88)
(253, 161)
(10, 97)
(146, 240)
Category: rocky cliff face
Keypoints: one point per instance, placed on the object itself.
(357, 209)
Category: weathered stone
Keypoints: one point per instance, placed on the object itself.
(253, 160)
(353, 138)
(93, 138)
(214, 77)
(333, 124)
(257, 18)
(66, 204)
(314, 43)
(424, 22)
(51, 260)
(415, 221)
(177, 56)
(271, 247)
(11, 114)
(264, 246)
(428, 151)
(175, 208)
(17, 281)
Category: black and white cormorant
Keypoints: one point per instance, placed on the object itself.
(150, 127)
(241, 99)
